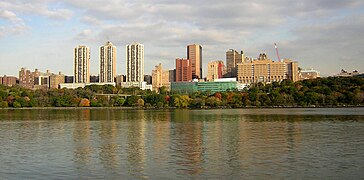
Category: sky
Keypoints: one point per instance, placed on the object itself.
(327, 35)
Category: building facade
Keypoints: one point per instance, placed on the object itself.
(190, 87)
(26, 77)
(160, 78)
(233, 57)
(292, 70)
(345, 73)
(215, 70)
(142, 85)
(81, 58)
(107, 62)
(135, 62)
(120, 79)
(148, 78)
(194, 54)
(172, 75)
(266, 71)
(95, 79)
(309, 74)
(68, 79)
(8, 80)
(183, 70)
(55, 80)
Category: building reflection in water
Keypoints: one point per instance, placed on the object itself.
(82, 139)
(136, 148)
(108, 134)
(188, 146)
(263, 139)
(159, 136)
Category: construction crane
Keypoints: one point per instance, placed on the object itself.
(275, 46)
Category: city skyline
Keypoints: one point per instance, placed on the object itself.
(319, 34)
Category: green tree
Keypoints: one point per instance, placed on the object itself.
(4, 104)
(132, 100)
(119, 101)
(181, 101)
(16, 104)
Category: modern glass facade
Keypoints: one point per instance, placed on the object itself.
(190, 87)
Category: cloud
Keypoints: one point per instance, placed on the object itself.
(317, 33)
(15, 24)
(47, 8)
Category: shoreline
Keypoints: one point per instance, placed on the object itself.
(171, 108)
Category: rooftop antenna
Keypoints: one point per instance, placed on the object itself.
(275, 46)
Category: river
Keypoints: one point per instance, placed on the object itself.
(302, 143)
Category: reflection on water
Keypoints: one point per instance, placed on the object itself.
(82, 138)
(142, 144)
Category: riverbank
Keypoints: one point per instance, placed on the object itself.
(169, 108)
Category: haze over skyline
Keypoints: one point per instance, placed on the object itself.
(322, 34)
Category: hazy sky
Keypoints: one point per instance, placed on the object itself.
(327, 35)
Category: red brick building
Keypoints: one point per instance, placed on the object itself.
(183, 70)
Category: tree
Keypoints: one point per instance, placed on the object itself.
(197, 103)
(163, 90)
(132, 100)
(213, 101)
(4, 104)
(119, 101)
(181, 101)
(16, 104)
(140, 102)
(84, 103)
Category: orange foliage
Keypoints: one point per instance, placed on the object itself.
(84, 103)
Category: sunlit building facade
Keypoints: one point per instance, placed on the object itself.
(215, 70)
(135, 62)
(266, 71)
(81, 58)
(107, 63)
(183, 70)
(160, 78)
(194, 54)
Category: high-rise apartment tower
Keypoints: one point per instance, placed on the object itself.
(81, 58)
(107, 62)
(135, 62)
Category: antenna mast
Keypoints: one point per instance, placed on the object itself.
(275, 46)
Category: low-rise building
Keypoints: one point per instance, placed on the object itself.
(142, 85)
(82, 85)
(309, 74)
(190, 87)
(68, 79)
(8, 80)
(55, 80)
(344, 73)
(120, 79)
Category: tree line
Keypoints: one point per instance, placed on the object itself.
(321, 92)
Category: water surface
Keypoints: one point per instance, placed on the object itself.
(166, 144)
